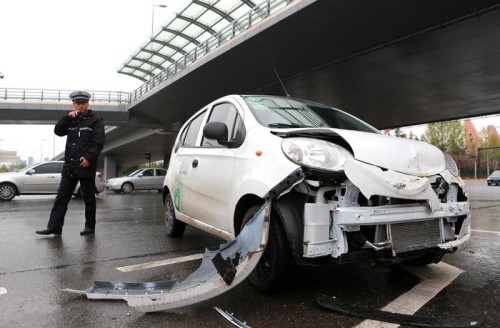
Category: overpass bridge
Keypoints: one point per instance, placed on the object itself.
(392, 63)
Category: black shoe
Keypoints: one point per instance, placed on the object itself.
(49, 231)
(87, 231)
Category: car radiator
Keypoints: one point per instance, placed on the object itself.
(411, 236)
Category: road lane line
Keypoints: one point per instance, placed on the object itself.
(3, 290)
(434, 277)
(155, 264)
(487, 231)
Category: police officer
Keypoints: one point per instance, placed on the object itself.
(85, 140)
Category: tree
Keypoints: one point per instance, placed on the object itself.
(447, 136)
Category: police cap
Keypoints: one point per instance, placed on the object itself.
(80, 96)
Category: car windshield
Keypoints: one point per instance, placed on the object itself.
(495, 174)
(277, 112)
(135, 173)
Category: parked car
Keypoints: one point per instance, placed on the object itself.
(494, 178)
(365, 196)
(39, 178)
(142, 179)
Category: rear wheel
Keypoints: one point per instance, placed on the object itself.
(173, 227)
(7, 191)
(272, 270)
(127, 188)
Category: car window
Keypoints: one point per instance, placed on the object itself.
(228, 114)
(189, 139)
(495, 174)
(148, 173)
(161, 172)
(48, 168)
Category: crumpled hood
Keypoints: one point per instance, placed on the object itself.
(399, 154)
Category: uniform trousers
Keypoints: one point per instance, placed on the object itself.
(64, 194)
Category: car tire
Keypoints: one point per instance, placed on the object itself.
(127, 188)
(173, 227)
(7, 191)
(272, 271)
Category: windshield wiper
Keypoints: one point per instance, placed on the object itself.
(285, 125)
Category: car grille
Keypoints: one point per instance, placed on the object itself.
(414, 235)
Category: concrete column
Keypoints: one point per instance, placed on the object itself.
(109, 167)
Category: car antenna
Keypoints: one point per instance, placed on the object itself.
(282, 85)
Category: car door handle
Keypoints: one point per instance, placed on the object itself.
(195, 163)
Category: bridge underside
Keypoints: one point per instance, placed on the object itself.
(392, 63)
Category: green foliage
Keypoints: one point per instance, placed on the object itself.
(447, 136)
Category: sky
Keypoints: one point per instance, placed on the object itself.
(71, 45)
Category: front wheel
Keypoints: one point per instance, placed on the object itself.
(173, 227)
(127, 188)
(7, 191)
(272, 270)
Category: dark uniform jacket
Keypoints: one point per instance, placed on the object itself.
(85, 138)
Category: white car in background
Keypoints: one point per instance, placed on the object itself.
(141, 179)
(365, 196)
(39, 178)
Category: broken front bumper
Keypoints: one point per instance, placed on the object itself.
(426, 223)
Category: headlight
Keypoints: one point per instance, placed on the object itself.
(315, 153)
(450, 164)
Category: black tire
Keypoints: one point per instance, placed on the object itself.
(173, 227)
(127, 188)
(7, 191)
(272, 271)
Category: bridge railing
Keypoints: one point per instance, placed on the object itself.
(257, 14)
(61, 95)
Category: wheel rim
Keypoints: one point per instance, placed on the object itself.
(6, 192)
(127, 188)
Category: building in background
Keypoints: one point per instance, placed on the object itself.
(8, 157)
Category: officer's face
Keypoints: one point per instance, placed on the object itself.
(82, 107)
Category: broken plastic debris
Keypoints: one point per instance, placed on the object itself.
(220, 269)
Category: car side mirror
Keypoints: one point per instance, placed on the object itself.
(32, 171)
(217, 131)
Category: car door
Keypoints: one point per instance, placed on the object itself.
(159, 178)
(180, 166)
(145, 179)
(212, 170)
(44, 178)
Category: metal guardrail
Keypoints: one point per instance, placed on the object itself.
(257, 14)
(61, 95)
(245, 22)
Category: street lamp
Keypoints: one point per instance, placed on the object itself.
(153, 16)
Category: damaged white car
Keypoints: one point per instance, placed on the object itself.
(364, 195)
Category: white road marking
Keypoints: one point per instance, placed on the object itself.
(3, 290)
(434, 277)
(487, 231)
(155, 264)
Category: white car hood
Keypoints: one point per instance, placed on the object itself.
(399, 154)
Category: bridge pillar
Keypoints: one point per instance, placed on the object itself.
(109, 167)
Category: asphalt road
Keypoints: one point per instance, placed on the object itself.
(34, 269)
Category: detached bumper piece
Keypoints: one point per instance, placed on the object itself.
(220, 270)
(342, 307)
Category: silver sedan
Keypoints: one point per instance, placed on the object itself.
(40, 178)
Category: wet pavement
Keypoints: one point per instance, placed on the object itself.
(34, 269)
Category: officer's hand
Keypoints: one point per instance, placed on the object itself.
(73, 113)
(84, 162)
